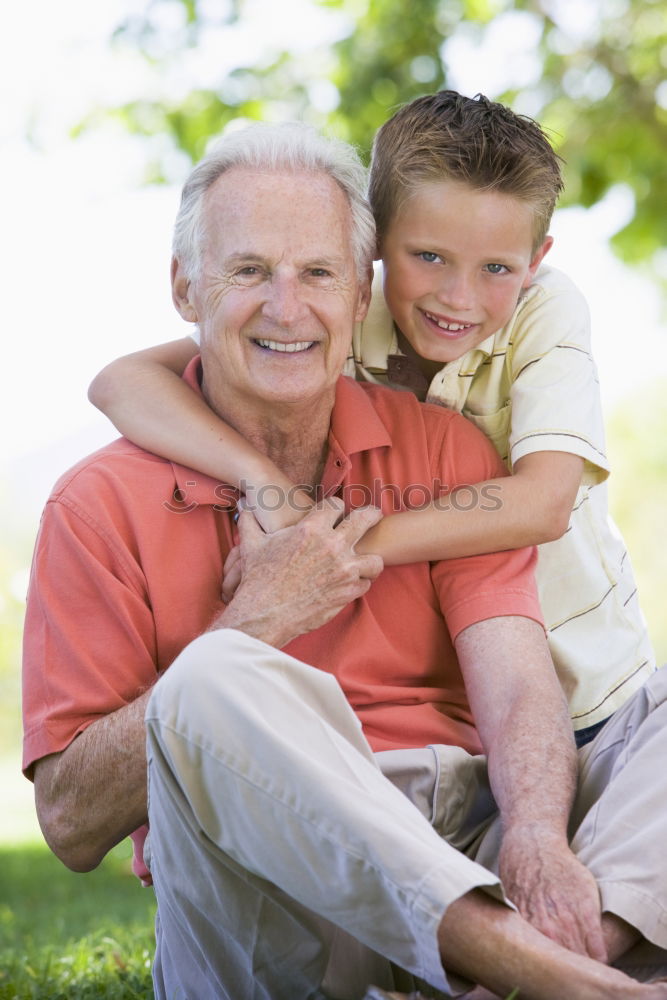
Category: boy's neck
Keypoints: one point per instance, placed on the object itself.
(427, 367)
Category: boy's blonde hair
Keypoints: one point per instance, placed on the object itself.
(446, 136)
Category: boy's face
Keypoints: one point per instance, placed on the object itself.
(455, 261)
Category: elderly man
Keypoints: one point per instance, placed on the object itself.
(290, 860)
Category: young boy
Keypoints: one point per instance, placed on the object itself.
(463, 191)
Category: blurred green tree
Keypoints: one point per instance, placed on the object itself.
(638, 496)
(595, 75)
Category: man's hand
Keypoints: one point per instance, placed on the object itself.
(552, 889)
(231, 574)
(300, 577)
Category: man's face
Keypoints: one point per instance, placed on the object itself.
(455, 260)
(278, 294)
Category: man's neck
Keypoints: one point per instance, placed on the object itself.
(293, 436)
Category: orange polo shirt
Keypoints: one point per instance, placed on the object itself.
(128, 567)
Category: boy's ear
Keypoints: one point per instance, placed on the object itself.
(537, 259)
(181, 292)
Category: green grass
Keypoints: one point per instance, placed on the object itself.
(65, 936)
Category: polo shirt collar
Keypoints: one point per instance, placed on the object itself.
(376, 338)
(486, 347)
(355, 424)
(355, 427)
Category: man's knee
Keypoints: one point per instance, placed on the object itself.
(208, 672)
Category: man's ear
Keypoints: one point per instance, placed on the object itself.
(181, 294)
(537, 259)
(364, 296)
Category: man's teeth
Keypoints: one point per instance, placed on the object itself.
(452, 327)
(276, 345)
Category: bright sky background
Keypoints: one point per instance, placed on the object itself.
(85, 253)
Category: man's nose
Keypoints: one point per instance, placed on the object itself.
(285, 304)
(457, 290)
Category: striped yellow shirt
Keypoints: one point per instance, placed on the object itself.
(531, 387)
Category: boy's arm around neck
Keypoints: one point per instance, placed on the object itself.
(146, 399)
(530, 507)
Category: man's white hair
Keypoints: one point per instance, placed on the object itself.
(291, 146)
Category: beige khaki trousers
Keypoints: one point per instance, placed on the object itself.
(291, 863)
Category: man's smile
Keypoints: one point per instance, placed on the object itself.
(285, 348)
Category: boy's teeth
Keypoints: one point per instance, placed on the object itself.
(452, 327)
(276, 345)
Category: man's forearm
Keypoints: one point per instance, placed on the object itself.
(525, 728)
(93, 794)
(522, 718)
(533, 766)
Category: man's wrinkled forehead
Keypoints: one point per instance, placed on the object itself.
(248, 207)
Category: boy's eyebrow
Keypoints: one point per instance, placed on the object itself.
(435, 246)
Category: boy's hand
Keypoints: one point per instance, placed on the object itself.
(275, 507)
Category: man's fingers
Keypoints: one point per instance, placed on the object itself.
(370, 567)
(358, 521)
(250, 533)
(579, 931)
(231, 560)
(596, 946)
(231, 581)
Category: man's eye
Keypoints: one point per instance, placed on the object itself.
(250, 269)
(429, 256)
(496, 268)
(319, 272)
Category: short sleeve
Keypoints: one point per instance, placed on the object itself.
(555, 393)
(475, 588)
(80, 664)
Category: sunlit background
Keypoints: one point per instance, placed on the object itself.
(106, 102)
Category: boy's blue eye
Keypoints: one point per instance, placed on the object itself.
(496, 268)
(428, 256)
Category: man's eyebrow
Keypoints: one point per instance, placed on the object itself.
(244, 257)
(250, 257)
(324, 262)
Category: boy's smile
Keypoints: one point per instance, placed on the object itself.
(455, 261)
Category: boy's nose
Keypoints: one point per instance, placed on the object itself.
(284, 304)
(457, 291)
